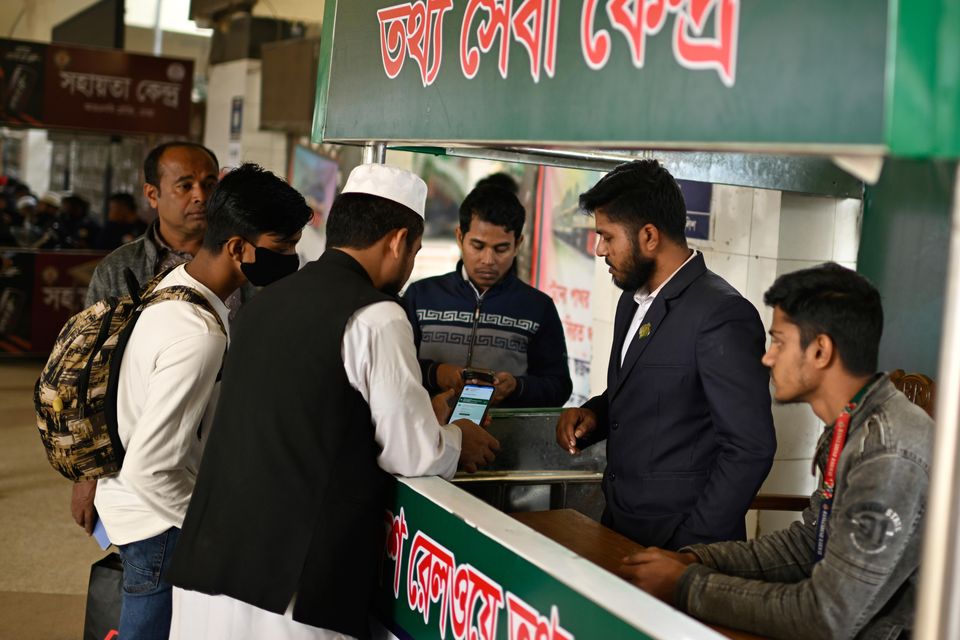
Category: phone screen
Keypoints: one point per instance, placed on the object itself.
(472, 402)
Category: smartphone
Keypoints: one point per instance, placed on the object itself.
(472, 403)
(484, 375)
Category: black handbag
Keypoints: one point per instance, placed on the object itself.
(104, 596)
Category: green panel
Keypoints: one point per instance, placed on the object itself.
(323, 67)
(806, 73)
(924, 93)
(579, 616)
(903, 250)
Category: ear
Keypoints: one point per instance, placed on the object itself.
(823, 351)
(398, 243)
(459, 235)
(235, 247)
(649, 238)
(151, 193)
(519, 242)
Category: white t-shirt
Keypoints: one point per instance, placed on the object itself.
(166, 399)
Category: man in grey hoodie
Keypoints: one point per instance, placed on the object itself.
(849, 569)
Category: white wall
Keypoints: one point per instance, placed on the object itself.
(267, 148)
(757, 235)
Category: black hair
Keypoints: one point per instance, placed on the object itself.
(251, 201)
(151, 164)
(638, 193)
(832, 300)
(359, 220)
(123, 199)
(75, 205)
(500, 179)
(494, 205)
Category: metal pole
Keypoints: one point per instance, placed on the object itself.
(157, 31)
(938, 605)
(374, 152)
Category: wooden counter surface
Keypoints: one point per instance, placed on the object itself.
(596, 543)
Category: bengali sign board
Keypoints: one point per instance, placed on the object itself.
(444, 578)
(39, 292)
(604, 72)
(80, 88)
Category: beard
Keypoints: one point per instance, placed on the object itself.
(393, 288)
(636, 273)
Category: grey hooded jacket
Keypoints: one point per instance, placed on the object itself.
(866, 584)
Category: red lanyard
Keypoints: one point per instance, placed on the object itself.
(839, 439)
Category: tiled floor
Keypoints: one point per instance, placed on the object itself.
(45, 558)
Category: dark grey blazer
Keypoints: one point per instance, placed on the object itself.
(687, 418)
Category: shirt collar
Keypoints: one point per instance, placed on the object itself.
(162, 244)
(641, 296)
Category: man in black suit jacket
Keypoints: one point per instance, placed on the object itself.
(686, 413)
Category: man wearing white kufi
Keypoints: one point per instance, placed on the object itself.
(321, 399)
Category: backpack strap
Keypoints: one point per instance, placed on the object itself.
(184, 293)
(133, 286)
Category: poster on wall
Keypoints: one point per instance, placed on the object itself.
(315, 177)
(563, 256)
(39, 292)
(21, 81)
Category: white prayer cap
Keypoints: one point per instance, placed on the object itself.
(26, 201)
(391, 183)
(51, 198)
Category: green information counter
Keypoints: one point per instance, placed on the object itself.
(455, 567)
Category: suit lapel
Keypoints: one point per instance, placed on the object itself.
(621, 322)
(654, 317)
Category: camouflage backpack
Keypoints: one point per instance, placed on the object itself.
(76, 395)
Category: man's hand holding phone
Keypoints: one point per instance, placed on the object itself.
(449, 376)
(505, 385)
(478, 448)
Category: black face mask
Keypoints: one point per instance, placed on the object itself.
(269, 266)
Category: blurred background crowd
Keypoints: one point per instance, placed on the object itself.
(55, 220)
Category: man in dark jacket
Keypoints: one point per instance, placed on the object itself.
(482, 316)
(686, 413)
(874, 462)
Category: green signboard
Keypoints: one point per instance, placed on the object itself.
(690, 73)
(443, 576)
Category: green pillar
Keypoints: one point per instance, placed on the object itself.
(903, 251)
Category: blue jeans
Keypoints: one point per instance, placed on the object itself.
(147, 599)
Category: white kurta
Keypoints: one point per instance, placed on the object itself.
(381, 363)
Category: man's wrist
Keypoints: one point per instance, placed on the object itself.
(518, 388)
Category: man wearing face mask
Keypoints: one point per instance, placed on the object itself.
(321, 400)
(168, 383)
(178, 179)
(686, 412)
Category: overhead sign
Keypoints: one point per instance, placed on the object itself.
(80, 88)
(604, 72)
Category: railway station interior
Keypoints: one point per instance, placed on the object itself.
(797, 133)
